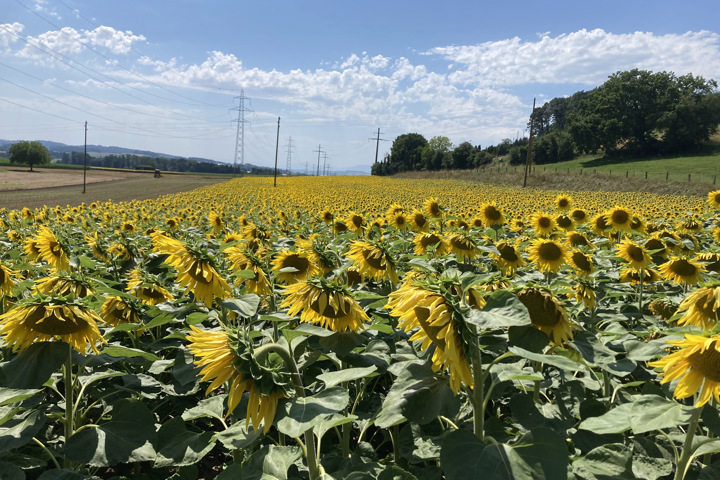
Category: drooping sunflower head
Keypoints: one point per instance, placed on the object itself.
(584, 293)
(463, 247)
(51, 318)
(563, 202)
(701, 308)
(64, 284)
(682, 271)
(51, 250)
(547, 314)
(7, 279)
(147, 288)
(372, 259)
(432, 208)
(695, 365)
(355, 222)
(565, 222)
(227, 356)
(582, 263)
(579, 215)
(543, 224)
(509, 258)
(328, 304)
(642, 275)
(491, 214)
(710, 260)
(117, 310)
(436, 322)
(418, 222)
(548, 254)
(243, 261)
(664, 309)
(339, 227)
(426, 242)
(578, 239)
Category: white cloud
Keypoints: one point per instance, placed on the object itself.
(68, 41)
(585, 57)
(9, 34)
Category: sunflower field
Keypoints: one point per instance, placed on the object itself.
(362, 328)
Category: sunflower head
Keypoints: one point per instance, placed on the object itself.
(714, 199)
(635, 255)
(491, 215)
(619, 219)
(548, 254)
(51, 250)
(543, 224)
(664, 309)
(563, 202)
(430, 242)
(291, 267)
(700, 308)
(547, 314)
(372, 259)
(581, 262)
(463, 247)
(509, 258)
(432, 208)
(117, 310)
(579, 215)
(682, 271)
(418, 222)
(42, 319)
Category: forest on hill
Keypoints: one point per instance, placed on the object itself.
(635, 113)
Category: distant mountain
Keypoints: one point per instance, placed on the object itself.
(57, 149)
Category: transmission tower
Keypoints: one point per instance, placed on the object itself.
(289, 148)
(325, 165)
(240, 139)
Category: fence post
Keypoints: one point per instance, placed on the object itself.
(688, 177)
(645, 175)
(626, 173)
(666, 176)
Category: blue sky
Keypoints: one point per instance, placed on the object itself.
(164, 75)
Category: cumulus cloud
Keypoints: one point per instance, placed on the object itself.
(9, 34)
(67, 41)
(582, 57)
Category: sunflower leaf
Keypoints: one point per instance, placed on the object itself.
(177, 446)
(346, 375)
(34, 365)
(21, 430)
(298, 415)
(503, 309)
(245, 305)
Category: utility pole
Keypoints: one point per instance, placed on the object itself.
(325, 165)
(377, 145)
(289, 149)
(319, 150)
(277, 144)
(85, 161)
(529, 150)
(240, 137)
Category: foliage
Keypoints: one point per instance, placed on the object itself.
(468, 363)
(29, 153)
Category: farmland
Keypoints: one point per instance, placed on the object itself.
(362, 327)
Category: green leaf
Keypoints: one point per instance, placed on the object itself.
(8, 471)
(528, 338)
(616, 420)
(650, 468)
(196, 318)
(128, 437)
(652, 412)
(162, 319)
(86, 380)
(267, 463)
(126, 352)
(177, 446)
(464, 457)
(346, 375)
(238, 437)
(245, 305)
(326, 422)
(21, 430)
(563, 363)
(298, 415)
(415, 446)
(64, 474)
(595, 353)
(184, 370)
(545, 451)
(605, 462)
(342, 342)
(36, 364)
(213, 407)
(503, 309)
(13, 395)
(310, 329)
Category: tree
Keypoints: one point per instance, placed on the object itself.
(405, 153)
(461, 155)
(29, 153)
(435, 154)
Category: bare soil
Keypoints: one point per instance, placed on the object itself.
(24, 179)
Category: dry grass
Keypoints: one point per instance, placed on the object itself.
(570, 181)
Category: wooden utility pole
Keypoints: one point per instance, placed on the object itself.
(277, 143)
(85, 160)
(529, 150)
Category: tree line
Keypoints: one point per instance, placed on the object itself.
(131, 161)
(635, 113)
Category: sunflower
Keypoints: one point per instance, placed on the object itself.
(424, 241)
(547, 314)
(436, 323)
(316, 249)
(634, 254)
(619, 219)
(581, 262)
(51, 251)
(216, 222)
(682, 271)
(600, 224)
(491, 215)
(399, 221)
(432, 208)
(638, 225)
(418, 222)
(147, 288)
(394, 209)
(548, 254)
(339, 227)
(701, 308)
(696, 367)
(355, 222)
(327, 304)
(220, 360)
(663, 309)
(543, 224)
(292, 267)
(714, 199)
(563, 202)
(633, 276)
(578, 239)
(710, 260)
(509, 258)
(116, 310)
(373, 260)
(584, 293)
(579, 215)
(656, 247)
(327, 216)
(47, 318)
(565, 222)
(7, 279)
(97, 250)
(463, 247)
(241, 260)
(64, 284)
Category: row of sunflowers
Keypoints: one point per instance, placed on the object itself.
(352, 327)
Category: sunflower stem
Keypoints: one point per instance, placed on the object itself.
(46, 450)
(477, 395)
(261, 353)
(69, 405)
(640, 291)
(684, 461)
